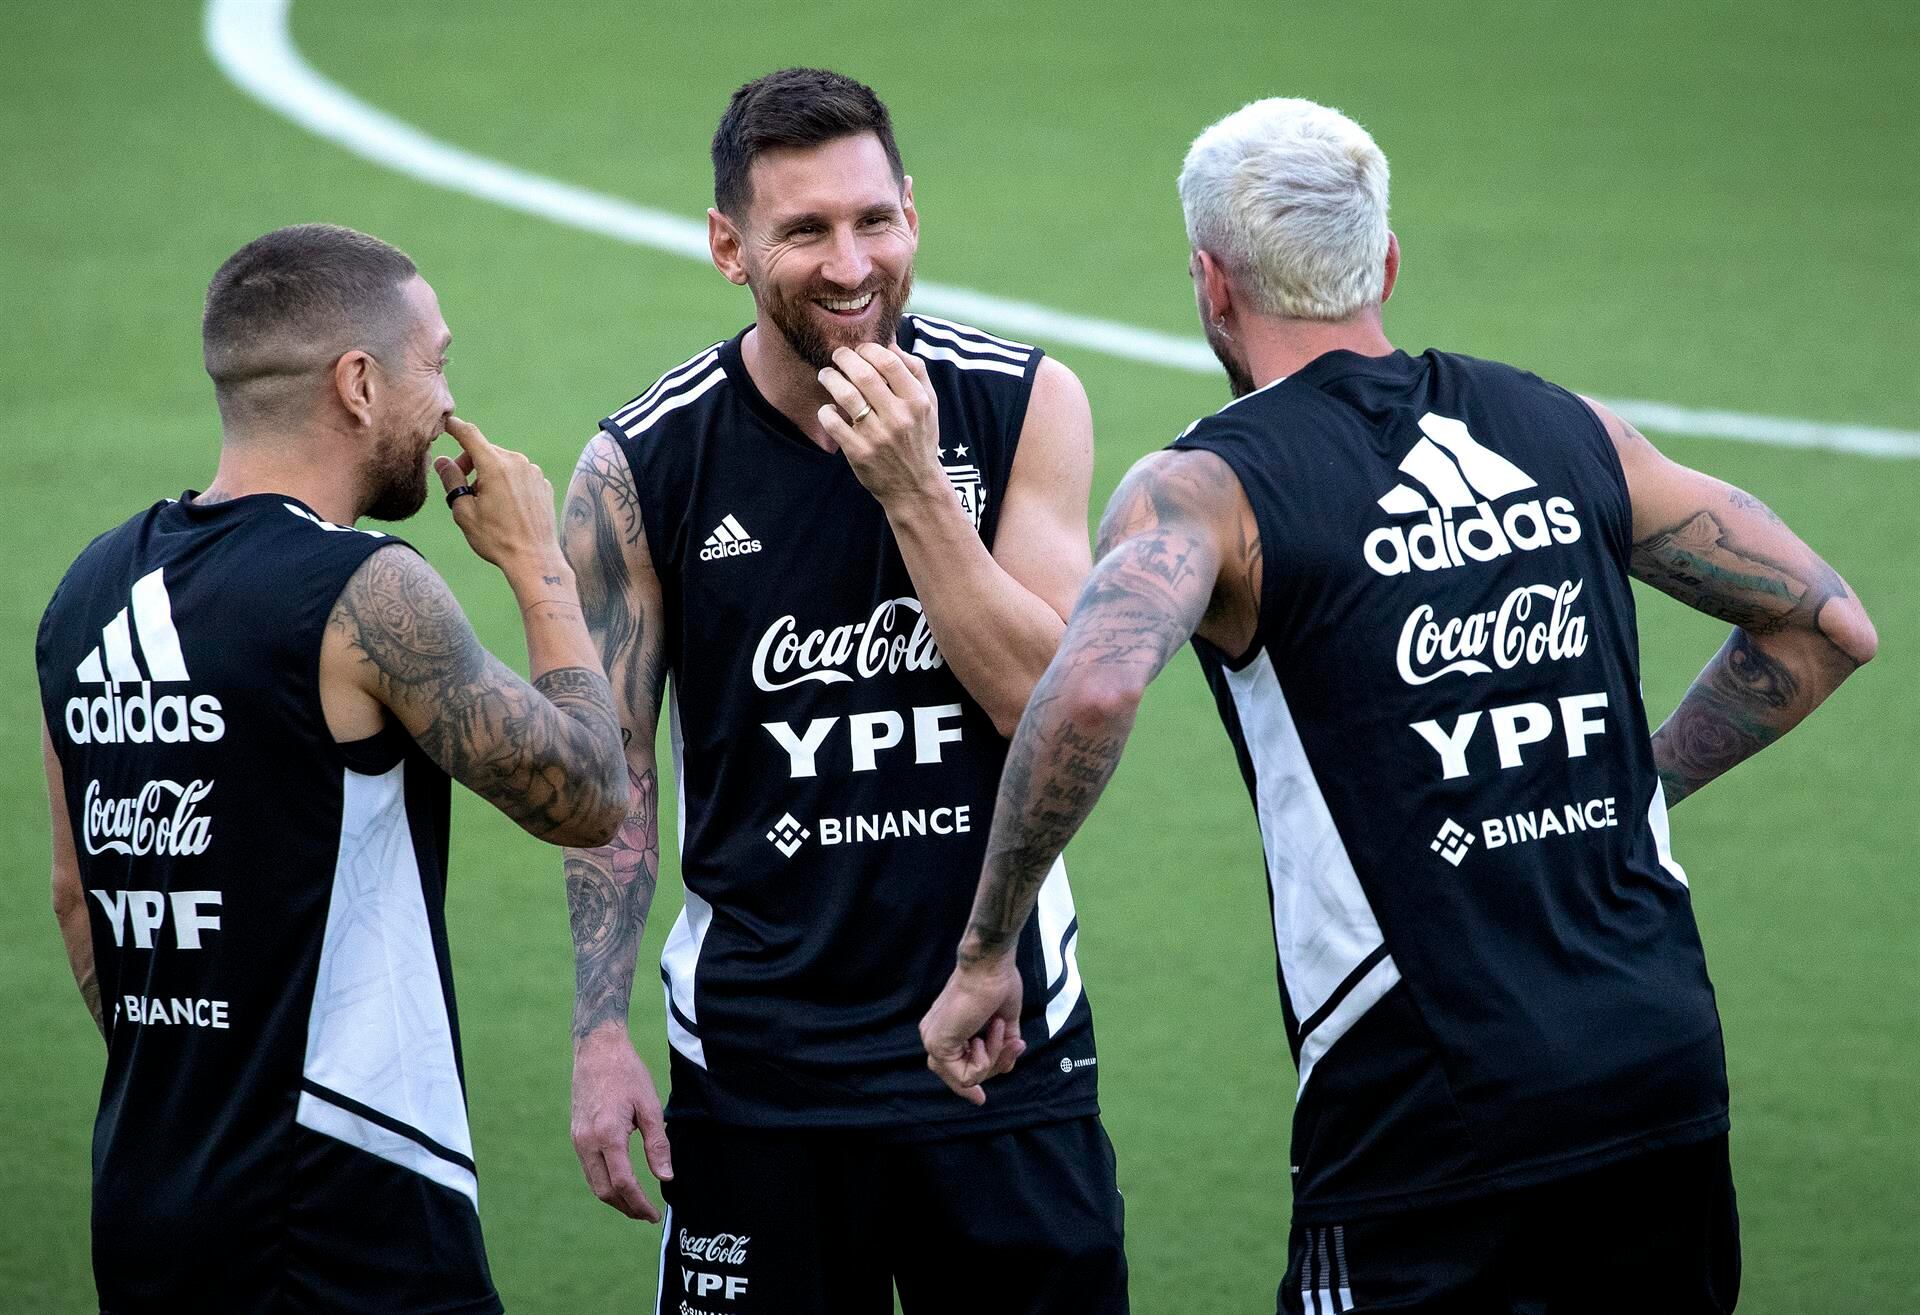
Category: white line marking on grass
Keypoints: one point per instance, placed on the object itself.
(249, 40)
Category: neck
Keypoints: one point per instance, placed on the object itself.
(790, 385)
(266, 464)
(1276, 347)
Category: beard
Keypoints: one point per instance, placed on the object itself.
(1239, 377)
(814, 342)
(397, 478)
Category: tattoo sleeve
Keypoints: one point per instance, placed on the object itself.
(610, 888)
(1159, 562)
(1799, 631)
(531, 750)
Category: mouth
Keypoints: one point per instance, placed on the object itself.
(845, 308)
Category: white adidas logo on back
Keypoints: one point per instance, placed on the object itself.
(115, 716)
(1459, 474)
(729, 539)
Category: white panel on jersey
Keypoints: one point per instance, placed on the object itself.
(680, 957)
(153, 622)
(1662, 834)
(378, 1032)
(679, 961)
(1059, 951)
(344, 1125)
(1366, 993)
(1323, 926)
(119, 644)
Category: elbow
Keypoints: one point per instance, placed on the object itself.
(1107, 701)
(1848, 628)
(586, 830)
(608, 810)
(1084, 701)
(67, 897)
(600, 807)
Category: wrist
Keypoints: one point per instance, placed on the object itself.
(927, 498)
(607, 1031)
(536, 576)
(979, 957)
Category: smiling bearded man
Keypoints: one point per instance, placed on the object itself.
(850, 535)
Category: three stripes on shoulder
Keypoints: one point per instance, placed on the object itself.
(959, 345)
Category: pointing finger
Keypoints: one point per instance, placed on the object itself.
(467, 435)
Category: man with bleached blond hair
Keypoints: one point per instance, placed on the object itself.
(1512, 1092)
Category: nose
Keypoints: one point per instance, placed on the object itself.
(848, 264)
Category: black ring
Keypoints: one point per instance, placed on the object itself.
(459, 491)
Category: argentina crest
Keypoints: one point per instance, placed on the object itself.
(967, 487)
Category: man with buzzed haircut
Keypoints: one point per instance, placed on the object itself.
(252, 711)
(848, 534)
(1408, 582)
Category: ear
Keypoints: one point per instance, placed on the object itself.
(355, 385)
(906, 206)
(723, 242)
(1217, 290)
(1393, 266)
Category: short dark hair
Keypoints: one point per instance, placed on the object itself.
(795, 107)
(295, 299)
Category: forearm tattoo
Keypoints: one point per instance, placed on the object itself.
(1151, 588)
(1778, 664)
(537, 752)
(610, 889)
(609, 892)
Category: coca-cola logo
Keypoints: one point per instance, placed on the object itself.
(160, 820)
(720, 1249)
(1533, 624)
(887, 641)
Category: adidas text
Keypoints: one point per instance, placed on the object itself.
(1444, 543)
(119, 716)
(715, 551)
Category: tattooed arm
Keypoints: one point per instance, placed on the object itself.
(546, 754)
(69, 894)
(1798, 630)
(1178, 555)
(610, 889)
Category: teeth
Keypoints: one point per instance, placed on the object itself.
(856, 303)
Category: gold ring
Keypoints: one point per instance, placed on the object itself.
(865, 411)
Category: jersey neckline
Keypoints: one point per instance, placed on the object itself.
(1340, 363)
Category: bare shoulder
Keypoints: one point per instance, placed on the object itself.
(1056, 437)
(602, 499)
(399, 621)
(1190, 484)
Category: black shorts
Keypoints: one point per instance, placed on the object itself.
(1658, 1232)
(811, 1222)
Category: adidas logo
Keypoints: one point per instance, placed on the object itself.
(139, 716)
(728, 540)
(1459, 475)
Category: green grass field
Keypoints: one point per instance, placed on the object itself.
(1708, 204)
